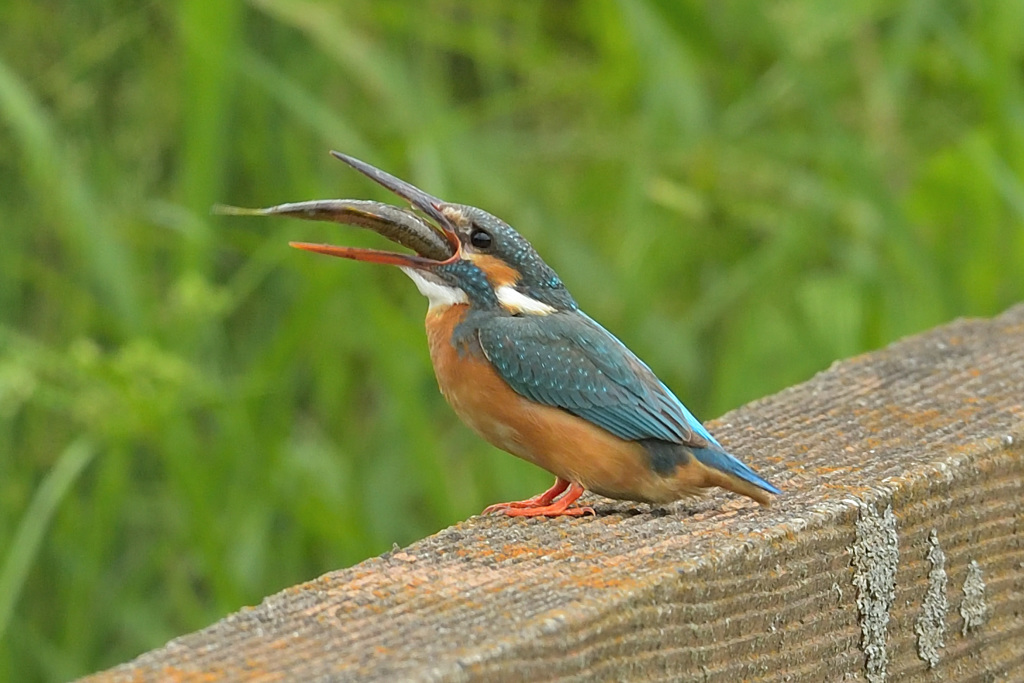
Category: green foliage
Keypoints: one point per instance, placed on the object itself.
(193, 415)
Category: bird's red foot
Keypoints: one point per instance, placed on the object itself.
(545, 505)
(557, 510)
(540, 500)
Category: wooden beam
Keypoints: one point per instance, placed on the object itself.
(897, 552)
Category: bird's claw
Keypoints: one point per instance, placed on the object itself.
(535, 502)
(551, 511)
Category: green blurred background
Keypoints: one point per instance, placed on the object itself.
(193, 415)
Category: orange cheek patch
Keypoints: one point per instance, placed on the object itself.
(497, 271)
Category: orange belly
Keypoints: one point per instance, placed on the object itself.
(561, 443)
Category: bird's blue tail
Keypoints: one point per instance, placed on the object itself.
(723, 462)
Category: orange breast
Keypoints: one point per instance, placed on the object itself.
(561, 443)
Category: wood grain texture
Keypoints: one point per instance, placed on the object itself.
(718, 589)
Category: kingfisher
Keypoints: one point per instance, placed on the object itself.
(526, 369)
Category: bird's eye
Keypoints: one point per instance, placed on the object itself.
(480, 239)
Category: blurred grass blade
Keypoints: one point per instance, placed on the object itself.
(29, 536)
(304, 107)
(211, 31)
(58, 183)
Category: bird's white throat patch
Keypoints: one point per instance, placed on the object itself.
(441, 296)
(438, 295)
(517, 302)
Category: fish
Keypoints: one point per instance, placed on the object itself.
(396, 224)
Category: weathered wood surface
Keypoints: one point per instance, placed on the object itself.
(719, 589)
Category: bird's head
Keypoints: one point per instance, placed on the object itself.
(482, 262)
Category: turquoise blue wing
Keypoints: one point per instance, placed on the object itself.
(568, 361)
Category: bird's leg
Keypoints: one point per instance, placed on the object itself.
(554, 509)
(540, 500)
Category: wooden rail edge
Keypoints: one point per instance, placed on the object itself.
(896, 553)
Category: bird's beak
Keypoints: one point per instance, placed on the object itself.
(433, 245)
